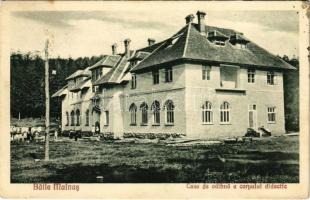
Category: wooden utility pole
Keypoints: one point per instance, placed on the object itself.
(47, 104)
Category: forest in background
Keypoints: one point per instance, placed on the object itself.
(28, 95)
(27, 82)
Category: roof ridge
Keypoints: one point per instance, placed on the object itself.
(151, 53)
(118, 64)
(186, 39)
(123, 72)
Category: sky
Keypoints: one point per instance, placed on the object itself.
(91, 33)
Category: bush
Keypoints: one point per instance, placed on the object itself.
(161, 136)
(107, 136)
(251, 133)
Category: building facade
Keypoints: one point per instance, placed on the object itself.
(203, 82)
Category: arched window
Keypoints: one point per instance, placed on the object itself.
(72, 118)
(169, 106)
(156, 112)
(225, 113)
(133, 114)
(144, 108)
(207, 114)
(78, 117)
(67, 119)
(87, 118)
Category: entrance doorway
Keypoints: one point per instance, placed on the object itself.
(252, 116)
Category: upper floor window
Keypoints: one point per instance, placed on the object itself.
(107, 116)
(169, 106)
(271, 114)
(133, 81)
(206, 70)
(207, 114)
(87, 118)
(156, 112)
(155, 75)
(251, 75)
(95, 89)
(144, 109)
(133, 114)
(271, 78)
(168, 75)
(225, 113)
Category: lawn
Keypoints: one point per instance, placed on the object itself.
(272, 160)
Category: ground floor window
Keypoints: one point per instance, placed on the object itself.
(133, 114)
(156, 112)
(225, 113)
(106, 117)
(144, 109)
(169, 106)
(87, 118)
(207, 114)
(78, 117)
(72, 118)
(67, 119)
(271, 114)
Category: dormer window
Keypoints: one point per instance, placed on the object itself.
(173, 40)
(219, 43)
(96, 74)
(217, 38)
(239, 41)
(241, 46)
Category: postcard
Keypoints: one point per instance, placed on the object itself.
(154, 99)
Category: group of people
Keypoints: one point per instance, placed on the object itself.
(20, 135)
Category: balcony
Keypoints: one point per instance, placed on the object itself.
(230, 79)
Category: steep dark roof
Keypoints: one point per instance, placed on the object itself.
(60, 93)
(78, 73)
(80, 85)
(192, 45)
(115, 74)
(139, 55)
(107, 61)
(151, 48)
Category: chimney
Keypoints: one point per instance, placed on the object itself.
(151, 41)
(114, 49)
(127, 47)
(189, 18)
(201, 21)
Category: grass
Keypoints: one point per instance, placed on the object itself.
(272, 160)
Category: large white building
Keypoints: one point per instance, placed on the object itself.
(203, 82)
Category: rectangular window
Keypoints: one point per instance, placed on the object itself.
(155, 75)
(219, 43)
(206, 70)
(271, 78)
(225, 113)
(106, 118)
(133, 81)
(207, 115)
(168, 75)
(271, 114)
(251, 75)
